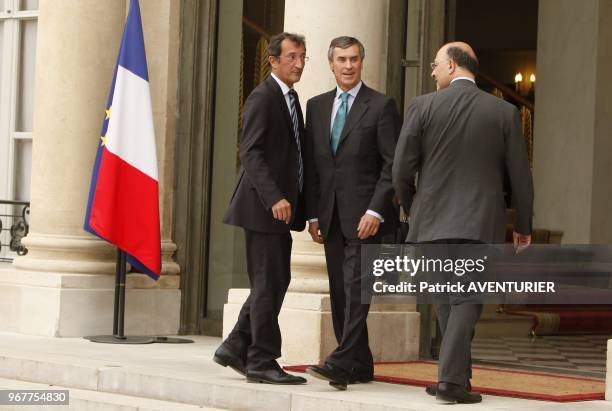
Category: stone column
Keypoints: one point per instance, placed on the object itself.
(64, 286)
(572, 145)
(573, 122)
(305, 319)
(161, 25)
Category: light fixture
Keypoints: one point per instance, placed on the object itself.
(532, 78)
(518, 78)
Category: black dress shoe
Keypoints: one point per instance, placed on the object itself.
(356, 379)
(432, 389)
(337, 377)
(454, 393)
(274, 376)
(225, 357)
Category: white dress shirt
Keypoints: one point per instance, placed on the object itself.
(463, 78)
(285, 89)
(337, 101)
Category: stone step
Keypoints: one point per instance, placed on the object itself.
(87, 400)
(185, 374)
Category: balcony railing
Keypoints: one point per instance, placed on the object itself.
(14, 225)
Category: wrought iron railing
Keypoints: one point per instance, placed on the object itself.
(14, 225)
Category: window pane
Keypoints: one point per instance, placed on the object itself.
(25, 104)
(23, 169)
(28, 5)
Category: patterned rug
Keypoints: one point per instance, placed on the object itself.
(494, 381)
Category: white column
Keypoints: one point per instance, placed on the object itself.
(305, 318)
(64, 286)
(572, 145)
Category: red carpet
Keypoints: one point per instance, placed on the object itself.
(566, 319)
(494, 381)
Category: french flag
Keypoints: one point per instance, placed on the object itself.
(123, 206)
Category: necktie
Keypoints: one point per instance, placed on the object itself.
(293, 98)
(339, 121)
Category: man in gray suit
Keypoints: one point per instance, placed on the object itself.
(461, 141)
(351, 132)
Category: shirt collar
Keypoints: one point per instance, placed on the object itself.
(284, 88)
(353, 92)
(463, 78)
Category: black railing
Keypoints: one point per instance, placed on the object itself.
(14, 225)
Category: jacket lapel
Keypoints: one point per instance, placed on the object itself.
(280, 100)
(326, 112)
(358, 109)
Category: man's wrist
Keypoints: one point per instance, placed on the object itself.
(375, 214)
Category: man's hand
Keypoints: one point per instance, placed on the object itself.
(282, 211)
(521, 241)
(313, 229)
(368, 226)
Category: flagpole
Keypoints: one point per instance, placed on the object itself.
(120, 295)
(119, 279)
(118, 336)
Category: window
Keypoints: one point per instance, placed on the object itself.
(18, 24)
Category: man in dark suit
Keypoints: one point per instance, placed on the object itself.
(461, 141)
(351, 132)
(267, 203)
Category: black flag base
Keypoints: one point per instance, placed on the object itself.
(115, 339)
(118, 336)
(172, 340)
(119, 315)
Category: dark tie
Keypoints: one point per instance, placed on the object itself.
(293, 98)
(339, 121)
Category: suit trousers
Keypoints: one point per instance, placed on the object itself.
(256, 336)
(457, 320)
(457, 323)
(343, 257)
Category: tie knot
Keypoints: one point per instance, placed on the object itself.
(344, 97)
(293, 93)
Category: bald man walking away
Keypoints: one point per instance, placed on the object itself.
(460, 141)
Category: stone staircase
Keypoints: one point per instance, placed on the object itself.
(183, 377)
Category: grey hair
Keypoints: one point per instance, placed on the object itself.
(344, 42)
(274, 47)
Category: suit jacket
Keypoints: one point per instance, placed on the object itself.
(358, 177)
(269, 163)
(460, 141)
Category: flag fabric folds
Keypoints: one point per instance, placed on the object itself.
(123, 205)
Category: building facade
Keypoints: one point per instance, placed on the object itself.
(204, 57)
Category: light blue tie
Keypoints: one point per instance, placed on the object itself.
(339, 121)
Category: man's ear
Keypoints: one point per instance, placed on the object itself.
(272, 61)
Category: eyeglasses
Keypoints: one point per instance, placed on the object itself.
(435, 64)
(292, 58)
